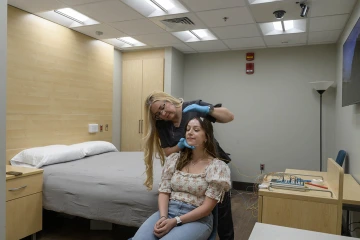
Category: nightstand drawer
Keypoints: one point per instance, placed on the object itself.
(23, 186)
(23, 216)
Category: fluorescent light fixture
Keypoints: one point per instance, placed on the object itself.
(284, 25)
(131, 42)
(165, 4)
(278, 26)
(72, 14)
(195, 35)
(202, 33)
(155, 8)
(289, 25)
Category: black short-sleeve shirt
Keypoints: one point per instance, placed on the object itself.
(170, 135)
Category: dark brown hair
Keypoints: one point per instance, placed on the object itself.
(186, 153)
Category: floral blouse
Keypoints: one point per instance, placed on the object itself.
(192, 188)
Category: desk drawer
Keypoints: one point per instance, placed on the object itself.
(23, 186)
(23, 216)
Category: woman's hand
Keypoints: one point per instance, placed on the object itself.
(163, 226)
(197, 108)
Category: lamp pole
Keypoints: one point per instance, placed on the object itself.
(321, 93)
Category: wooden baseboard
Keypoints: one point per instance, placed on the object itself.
(243, 186)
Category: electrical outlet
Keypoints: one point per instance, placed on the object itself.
(106, 127)
(262, 166)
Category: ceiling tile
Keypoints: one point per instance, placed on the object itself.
(137, 27)
(238, 31)
(208, 46)
(158, 39)
(35, 6)
(286, 40)
(108, 11)
(330, 7)
(324, 37)
(328, 23)
(265, 12)
(108, 32)
(243, 43)
(78, 2)
(203, 5)
(235, 16)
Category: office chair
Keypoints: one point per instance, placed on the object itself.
(215, 224)
(341, 157)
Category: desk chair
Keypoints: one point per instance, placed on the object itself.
(341, 157)
(215, 224)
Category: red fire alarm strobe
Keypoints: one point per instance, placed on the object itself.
(249, 68)
(250, 56)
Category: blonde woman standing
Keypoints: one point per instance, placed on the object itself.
(165, 120)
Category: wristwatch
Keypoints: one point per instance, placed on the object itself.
(211, 109)
(178, 221)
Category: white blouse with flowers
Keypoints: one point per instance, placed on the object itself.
(192, 188)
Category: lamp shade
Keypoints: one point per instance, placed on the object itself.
(321, 85)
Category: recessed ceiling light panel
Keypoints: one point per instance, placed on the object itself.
(154, 8)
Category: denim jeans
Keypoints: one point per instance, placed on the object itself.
(198, 230)
(225, 222)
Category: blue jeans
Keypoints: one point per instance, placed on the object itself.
(198, 230)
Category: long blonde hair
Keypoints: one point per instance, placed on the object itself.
(152, 147)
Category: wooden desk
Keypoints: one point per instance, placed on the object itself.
(263, 231)
(309, 210)
(351, 194)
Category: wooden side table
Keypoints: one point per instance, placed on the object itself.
(23, 202)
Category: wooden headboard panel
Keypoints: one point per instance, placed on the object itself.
(58, 81)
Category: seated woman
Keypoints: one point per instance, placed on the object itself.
(192, 183)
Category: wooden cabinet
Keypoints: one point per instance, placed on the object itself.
(23, 202)
(140, 77)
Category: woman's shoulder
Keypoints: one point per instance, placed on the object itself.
(173, 157)
(219, 163)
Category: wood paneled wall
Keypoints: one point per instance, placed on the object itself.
(58, 81)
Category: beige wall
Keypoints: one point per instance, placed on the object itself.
(276, 109)
(3, 20)
(58, 81)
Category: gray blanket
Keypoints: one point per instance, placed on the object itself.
(107, 187)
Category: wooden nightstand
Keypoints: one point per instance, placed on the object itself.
(23, 202)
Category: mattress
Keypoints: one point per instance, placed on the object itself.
(107, 187)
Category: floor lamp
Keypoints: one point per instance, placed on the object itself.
(321, 87)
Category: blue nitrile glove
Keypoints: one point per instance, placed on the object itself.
(197, 108)
(182, 143)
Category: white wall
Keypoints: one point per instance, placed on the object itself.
(116, 114)
(347, 128)
(3, 38)
(276, 110)
(174, 72)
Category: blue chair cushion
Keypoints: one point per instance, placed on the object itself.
(341, 157)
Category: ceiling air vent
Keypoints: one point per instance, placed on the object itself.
(178, 24)
(183, 20)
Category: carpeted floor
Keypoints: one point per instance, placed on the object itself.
(62, 227)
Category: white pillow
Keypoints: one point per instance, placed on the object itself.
(95, 147)
(41, 156)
